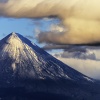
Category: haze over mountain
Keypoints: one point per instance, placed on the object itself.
(24, 64)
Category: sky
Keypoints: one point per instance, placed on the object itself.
(8, 25)
(81, 18)
(26, 27)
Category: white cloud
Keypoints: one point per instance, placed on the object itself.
(88, 67)
(81, 17)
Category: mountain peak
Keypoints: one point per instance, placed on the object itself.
(14, 42)
(13, 33)
(11, 37)
(15, 38)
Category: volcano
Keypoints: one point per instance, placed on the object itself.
(24, 64)
(20, 58)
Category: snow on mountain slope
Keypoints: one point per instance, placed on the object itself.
(20, 59)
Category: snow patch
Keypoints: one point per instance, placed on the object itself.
(13, 66)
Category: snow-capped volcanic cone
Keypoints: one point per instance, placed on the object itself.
(24, 64)
(20, 58)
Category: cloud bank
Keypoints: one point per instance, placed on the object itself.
(87, 67)
(80, 17)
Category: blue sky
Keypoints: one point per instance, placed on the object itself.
(26, 27)
(22, 26)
